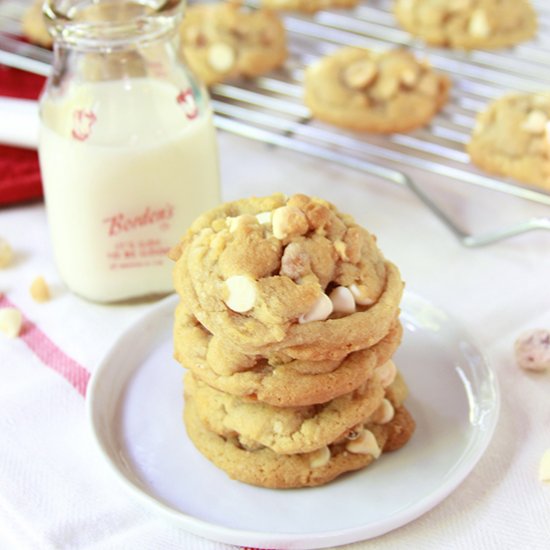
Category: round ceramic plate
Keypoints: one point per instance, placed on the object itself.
(135, 411)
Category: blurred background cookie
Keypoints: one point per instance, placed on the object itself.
(225, 40)
(468, 24)
(34, 26)
(511, 138)
(365, 90)
(308, 6)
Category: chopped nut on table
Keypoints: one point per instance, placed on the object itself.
(11, 322)
(6, 253)
(39, 290)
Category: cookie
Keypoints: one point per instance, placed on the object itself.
(269, 379)
(263, 467)
(308, 6)
(292, 430)
(285, 430)
(365, 90)
(34, 26)
(223, 40)
(468, 24)
(511, 138)
(290, 276)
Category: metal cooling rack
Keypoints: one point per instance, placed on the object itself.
(270, 109)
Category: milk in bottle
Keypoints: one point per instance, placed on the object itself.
(127, 150)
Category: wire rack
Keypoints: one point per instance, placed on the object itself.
(270, 109)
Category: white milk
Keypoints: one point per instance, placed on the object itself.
(124, 175)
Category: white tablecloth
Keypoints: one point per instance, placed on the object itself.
(53, 492)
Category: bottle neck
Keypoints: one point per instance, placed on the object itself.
(110, 25)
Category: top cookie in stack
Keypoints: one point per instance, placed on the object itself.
(260, 272)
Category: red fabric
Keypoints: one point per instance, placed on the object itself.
(19, 170)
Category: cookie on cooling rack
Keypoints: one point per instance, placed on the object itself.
(512, 138)
(372, 91)
(468, 24)
(308, 6)
(34, 26)
(224, 40)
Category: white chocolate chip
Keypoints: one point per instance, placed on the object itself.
(264, 218)
(289, 221)
(384, 413)
(231, 223)
(386, 373)
(544, 467)
(409, 77)
(319, 458)
(360, 294)
(385, 88)
(11, 322)
(365, 444)
(360, 74)
(39, 290)
(238, 221)
(342, 300)
(533, 350)
(6, 253)
(535, 123)
(241, 293)
(277, 427)
(221, 57)
(478, 25)
(320, 310)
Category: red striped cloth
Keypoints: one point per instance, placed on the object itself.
(19, 171)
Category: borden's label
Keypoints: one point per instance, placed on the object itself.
(119, 199)
(122, 223)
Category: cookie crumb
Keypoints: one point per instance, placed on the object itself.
(11, 322)
(39, 290)
(6, 253)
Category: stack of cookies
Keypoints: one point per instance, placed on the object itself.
(287, 324)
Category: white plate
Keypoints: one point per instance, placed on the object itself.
(135, 410)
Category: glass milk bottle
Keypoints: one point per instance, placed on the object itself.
(127, 146)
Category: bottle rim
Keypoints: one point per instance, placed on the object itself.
(105, 24)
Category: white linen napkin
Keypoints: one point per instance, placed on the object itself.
(54, 491)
